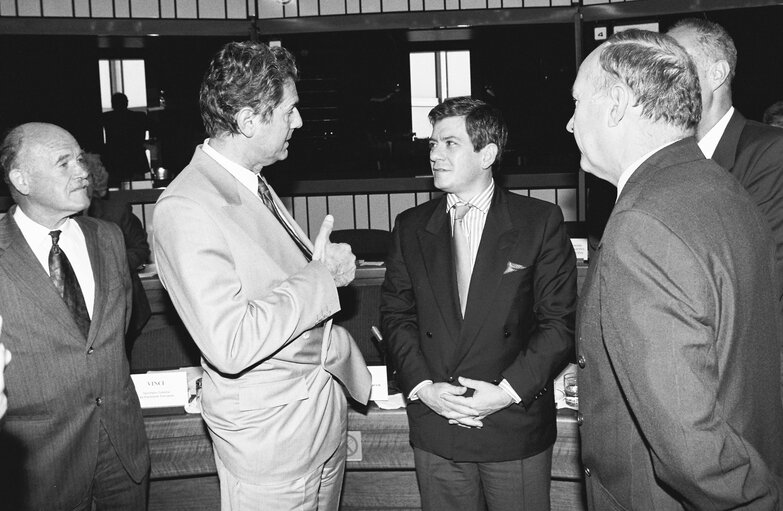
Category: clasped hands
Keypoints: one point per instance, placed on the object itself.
(448, 401)
(337, 257)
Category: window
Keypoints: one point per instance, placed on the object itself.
(129, 77)
(126, 76)
(436, 76)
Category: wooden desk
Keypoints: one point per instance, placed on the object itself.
(183, 469)
(184, 477)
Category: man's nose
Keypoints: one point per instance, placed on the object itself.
(570, 125)
(297, 120)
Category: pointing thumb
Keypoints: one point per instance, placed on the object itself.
(319, 247)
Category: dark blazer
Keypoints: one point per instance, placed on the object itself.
(61, 388)
(137, 249)
(753, 153)
(518, 323)
(678, 339)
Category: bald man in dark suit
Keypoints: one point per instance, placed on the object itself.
(73, 436)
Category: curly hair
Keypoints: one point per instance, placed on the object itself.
(483, 123)
(243, 75)
(660, 73)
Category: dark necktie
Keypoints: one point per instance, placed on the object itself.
(64, 279)
(266, 197)
(461, 252)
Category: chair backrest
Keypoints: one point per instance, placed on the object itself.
(367, 244)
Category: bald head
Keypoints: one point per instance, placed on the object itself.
(634, 93)
(43, 164)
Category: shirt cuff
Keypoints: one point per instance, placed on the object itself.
(412, 396)
(505, 385)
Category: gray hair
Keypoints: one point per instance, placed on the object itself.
(10, 148)
(714, 43)
(660, 73)
(242, 75)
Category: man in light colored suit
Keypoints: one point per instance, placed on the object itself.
(73, 436)
(678, 326)
(239, 272)
(476, 353)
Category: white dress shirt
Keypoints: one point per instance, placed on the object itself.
(710, 141)
(71, 242)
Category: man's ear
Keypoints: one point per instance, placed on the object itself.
(20, 179)
(247, 121)
(619, 99)
(489, 154)
(718, 74)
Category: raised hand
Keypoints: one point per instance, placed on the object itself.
(337, 257)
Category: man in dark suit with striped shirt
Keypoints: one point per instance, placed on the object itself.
(478, 307)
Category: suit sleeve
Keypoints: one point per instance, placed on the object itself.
(136, 246)
(551, 345)
(399, 319)
(233, 329)
(659, 318)
(763, 178)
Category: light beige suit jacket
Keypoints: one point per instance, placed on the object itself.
(252, 304)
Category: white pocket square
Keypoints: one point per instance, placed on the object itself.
(512, 267)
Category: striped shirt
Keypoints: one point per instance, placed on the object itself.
(475, 219)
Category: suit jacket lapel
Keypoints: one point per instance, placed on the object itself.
(29, 277)
(726, 152)
(497, 240)
(100, 273)
(250, 215)
(290, 219)
(435, 244)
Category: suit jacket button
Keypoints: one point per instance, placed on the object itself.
(90, 351)
(428, 334)
(506, 333)
(99, 401)
(451, 379)
(580, 360)
(587, 472)
(579, 418)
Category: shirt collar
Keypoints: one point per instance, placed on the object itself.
(33, 231)
(628, 172)
(245, 176)
(709, 142)
(480, 201)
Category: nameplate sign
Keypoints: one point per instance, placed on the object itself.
(580, 248)
(161, 389)
(380, 383)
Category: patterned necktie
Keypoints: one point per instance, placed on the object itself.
(266, 197)
(64, 279)
(461, 251)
